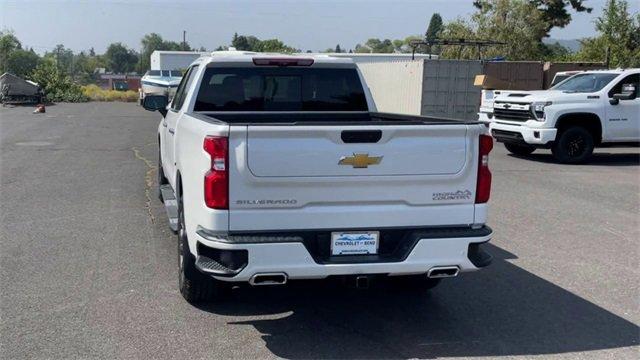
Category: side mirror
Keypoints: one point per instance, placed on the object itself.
(624, 96)
(628, 93)
(156, 103)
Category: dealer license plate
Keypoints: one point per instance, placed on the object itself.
(354, 243)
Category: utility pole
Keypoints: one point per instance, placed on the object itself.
(184, 39)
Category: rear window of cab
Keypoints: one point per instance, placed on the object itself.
(280, 89)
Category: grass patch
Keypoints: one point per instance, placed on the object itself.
(95, 93)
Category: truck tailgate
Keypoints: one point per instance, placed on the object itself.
(371, 176)
(277, 151)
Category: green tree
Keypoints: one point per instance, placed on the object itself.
(618, 31)
(63, 58)
(385, 47)
(85, 66)
(359, 49)
(435, 27)
(375, 45)
(120, 59)
(458, 29)
(517, 23)
(274, 45)
(556, 52)
(404, 45)
(338, 49)
(398, 45)
(252, 43)
(433, 32)
(8, 44)
(152, 42)
(57, 85)
(554, 13)
(240, 42)
(22, 62)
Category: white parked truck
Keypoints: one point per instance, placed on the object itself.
(276, 168)
(587, 110)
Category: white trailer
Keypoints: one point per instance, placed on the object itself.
(174, 60)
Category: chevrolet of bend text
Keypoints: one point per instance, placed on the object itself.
(276, 168)
(587, 110)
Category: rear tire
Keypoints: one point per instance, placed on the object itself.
(573, 146)
(520, 149)
(194, 286)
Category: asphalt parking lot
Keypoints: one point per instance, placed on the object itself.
(88, 266)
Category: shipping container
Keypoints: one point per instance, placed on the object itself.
(521, 75)
(445, 88)
(442, 88)
(448, 91)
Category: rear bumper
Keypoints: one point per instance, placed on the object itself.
(296, 260)
(522, 134)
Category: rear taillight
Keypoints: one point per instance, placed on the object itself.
(483, 187)
(216, 180)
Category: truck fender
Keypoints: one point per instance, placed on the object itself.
(587, 120)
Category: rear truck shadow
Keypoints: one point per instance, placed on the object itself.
(599, 158)
(502, 310)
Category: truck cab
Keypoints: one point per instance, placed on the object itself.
(584, 111)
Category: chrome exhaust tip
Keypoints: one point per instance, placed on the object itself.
(268, 279)
(439, 272)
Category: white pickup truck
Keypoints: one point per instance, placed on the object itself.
(275, 168)
(589, 109)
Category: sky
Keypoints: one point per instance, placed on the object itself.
(305, 24)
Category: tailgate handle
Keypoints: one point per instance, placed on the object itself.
(361, 136)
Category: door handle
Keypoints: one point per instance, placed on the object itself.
(172, 131)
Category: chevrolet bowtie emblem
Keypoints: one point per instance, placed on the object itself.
(360, 160)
